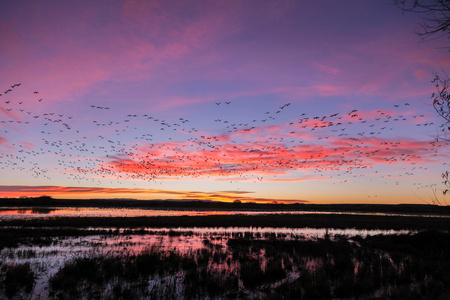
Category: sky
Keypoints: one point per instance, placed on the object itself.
(287, 101)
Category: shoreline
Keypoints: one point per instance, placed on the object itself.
(47, 202)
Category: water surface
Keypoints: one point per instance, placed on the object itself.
(7, 213)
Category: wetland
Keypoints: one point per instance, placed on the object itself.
(222, 253)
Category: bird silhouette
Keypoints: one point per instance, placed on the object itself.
(255, 146)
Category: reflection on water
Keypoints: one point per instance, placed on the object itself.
(26, 211)
(36, 212)
(279, 232)
(222, 263)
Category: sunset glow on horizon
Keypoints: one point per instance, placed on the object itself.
(286, 102)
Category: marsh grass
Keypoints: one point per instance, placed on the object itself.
(412, 222)
(155, 273)
(18, 280)
(244, 265)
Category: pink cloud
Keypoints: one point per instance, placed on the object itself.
(9, 113)
(144, 44)
(263, 159)
(326, 69)
(114, 55)
(27, 145)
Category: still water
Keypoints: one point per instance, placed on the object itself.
(190, 256)
(52, 254)
(7, 213)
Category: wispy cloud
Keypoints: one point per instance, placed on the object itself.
(266, 159)
(214, 91)
(144, 194)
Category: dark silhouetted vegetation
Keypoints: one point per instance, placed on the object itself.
(435, 16)
(263, 220)
(251, 266)
(41, 202)
(386, 267)
(18, 280)
(261, 265)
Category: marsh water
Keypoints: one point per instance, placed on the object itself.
(49, 256)
(40, 212)
(216, 262)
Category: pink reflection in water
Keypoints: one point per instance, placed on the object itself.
(37, 212)
(47, 260)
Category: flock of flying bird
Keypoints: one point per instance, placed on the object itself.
(269, 147)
